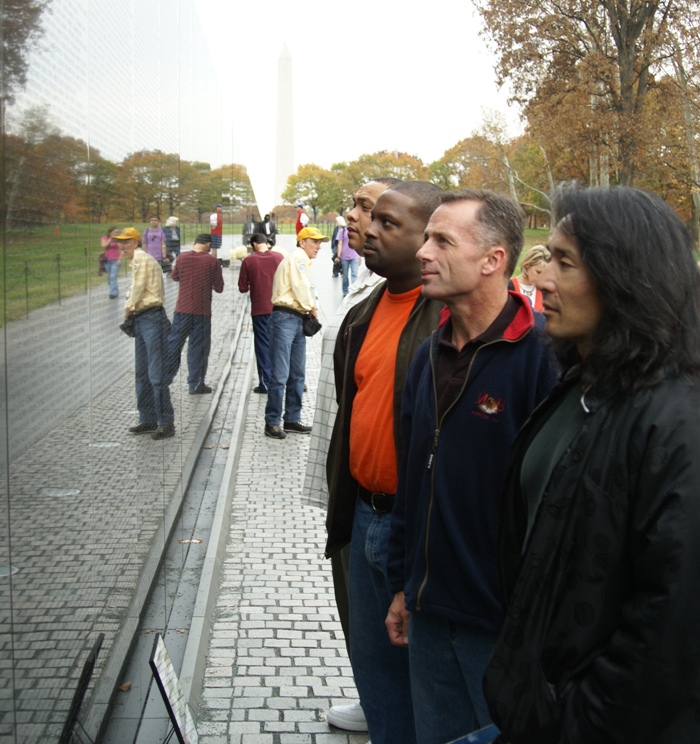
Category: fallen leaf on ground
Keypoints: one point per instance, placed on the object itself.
(224, 446)
(208, 446)
(193, 542)
(125, 687)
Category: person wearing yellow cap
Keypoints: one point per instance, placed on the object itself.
(293, 299)
(151, 325)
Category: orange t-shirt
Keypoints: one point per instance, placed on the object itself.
(372, 448)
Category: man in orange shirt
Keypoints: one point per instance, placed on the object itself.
(375, 346)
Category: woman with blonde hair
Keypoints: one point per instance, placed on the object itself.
(531, 266)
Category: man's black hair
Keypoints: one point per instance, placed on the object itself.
(426, 196)
(639, 255)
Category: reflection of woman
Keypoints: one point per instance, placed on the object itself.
(110, 248)
(172, 236)
(531, 266)
(600, 539)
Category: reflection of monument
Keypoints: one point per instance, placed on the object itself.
(284, 156)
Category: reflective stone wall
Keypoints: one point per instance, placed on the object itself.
(109, 115)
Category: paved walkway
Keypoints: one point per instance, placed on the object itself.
(277, 657)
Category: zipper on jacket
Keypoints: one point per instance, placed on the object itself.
(433, 454)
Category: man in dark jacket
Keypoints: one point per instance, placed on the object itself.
(375, 345)
(472, 385)
(600, 542)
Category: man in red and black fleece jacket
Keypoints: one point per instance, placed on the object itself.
(199, 273)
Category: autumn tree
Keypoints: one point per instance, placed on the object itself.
(604, 51)
(312, 186)
(384, 164)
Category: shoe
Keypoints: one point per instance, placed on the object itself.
(113, 297)
(297, 427)
(347, 717)
(260, 390)
(164, 432)
(143, 428)
(274, 431)
(201, 389)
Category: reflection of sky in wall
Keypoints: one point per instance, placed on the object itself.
(127, 75)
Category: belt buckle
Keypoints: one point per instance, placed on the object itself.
(375, 508)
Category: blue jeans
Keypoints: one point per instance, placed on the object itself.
(262, 348)
(381, 670)
(112, 269)
(152, 391)
(198, 329)
(287, 367)
(349, 267)
(448, 661)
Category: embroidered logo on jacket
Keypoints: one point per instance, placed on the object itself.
(488, 406)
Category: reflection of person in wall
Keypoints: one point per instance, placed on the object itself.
(269, 229)
(199, 273)
(216, 224)
(151, 324)
(257, 274)
(172, 237)
(154, 240)
(110, 248)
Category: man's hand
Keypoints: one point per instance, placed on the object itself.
(397, 621)
(314, 313)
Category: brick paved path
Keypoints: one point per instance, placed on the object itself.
(277, 658)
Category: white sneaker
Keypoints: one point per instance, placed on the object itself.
(347, 717)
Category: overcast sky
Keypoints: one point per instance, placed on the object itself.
(368, 74)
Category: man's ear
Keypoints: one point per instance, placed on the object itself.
(494, 260)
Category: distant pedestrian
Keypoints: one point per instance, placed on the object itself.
(337, 266)
(154, 240)
(172, 237)
(216, 223)
(349, 259)
(199, 274)
(293, 299)
(302, 218)
(110, 249)
(256, 276)
(269, 229)
(151, 325)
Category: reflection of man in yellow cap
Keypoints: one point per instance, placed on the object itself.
(293, 299)
(151, 324)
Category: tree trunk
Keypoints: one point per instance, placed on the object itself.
(690, 134)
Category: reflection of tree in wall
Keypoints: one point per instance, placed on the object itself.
(52, 178)
(20, 28)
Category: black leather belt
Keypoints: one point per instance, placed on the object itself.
(289, 310)
(381, 503)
